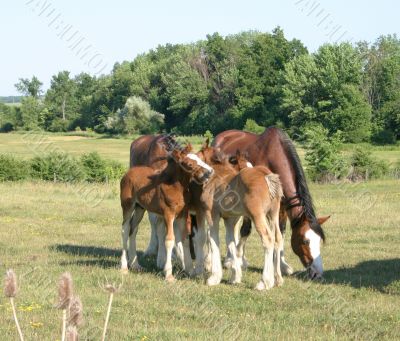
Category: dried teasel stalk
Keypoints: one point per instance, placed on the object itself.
(111, 289)
(75, 312)
(10, 291)
(65, 294)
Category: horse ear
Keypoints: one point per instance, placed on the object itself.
(322, 220)
(206, 143)
(187, 149)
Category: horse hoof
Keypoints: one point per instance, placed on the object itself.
(260, 286)
(278, 282)
(124, 271)
(228, 263)
(170, 279)
(137, 268)
(286, 269)
(213, 280)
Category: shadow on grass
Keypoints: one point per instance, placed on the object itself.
(102, 257)
(382, 275)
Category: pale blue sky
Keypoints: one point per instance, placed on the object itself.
(121, 29)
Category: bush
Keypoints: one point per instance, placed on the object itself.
(57, 167)
(98, 169)
(324, 160)
(385, 136)
(208, 135)
(12, 169)
(364, 166)
(59, 125)
(252, 127)
(7, 127)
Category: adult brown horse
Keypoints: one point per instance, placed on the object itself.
(274, 149)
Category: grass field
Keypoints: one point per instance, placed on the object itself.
(47, 228)
(27, 144)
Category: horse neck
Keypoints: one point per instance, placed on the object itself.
(175, 174)
(279, 162)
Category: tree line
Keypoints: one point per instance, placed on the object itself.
(250, 79)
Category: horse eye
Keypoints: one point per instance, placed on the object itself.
(306, 241)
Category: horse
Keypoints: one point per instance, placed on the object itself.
(254, 192)
(165, 193)
(274, 149)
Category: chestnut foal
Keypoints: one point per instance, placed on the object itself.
(165, 193)
(254, 192)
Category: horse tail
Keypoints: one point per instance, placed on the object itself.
(274, 186)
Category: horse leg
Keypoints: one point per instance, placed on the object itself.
(216, 267)
(286, 269)
(236, 262)
(153, 243)
(137, 217)
(277, 249)
(199, 241)
(267, 239)
(231, 234)
(182, 245)
(162, 252)
(127, 211)
(169, 245)
(245, 231)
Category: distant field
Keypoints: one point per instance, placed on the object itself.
(24, 145)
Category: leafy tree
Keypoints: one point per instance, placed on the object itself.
(137, 117)
(30, 87)
(60, 98)
(29, 113)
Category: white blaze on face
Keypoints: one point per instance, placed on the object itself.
(200, 162)
(315, 249)
(249, 164)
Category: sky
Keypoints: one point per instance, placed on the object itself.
(43, 37)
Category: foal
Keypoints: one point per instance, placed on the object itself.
(165, 193)
(252, 192)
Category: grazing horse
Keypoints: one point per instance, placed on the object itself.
(254, 192)
(275, 150)
(165, 193)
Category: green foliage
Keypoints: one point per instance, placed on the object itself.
(208, 135)
(57, 166)
(324, 88)
(253, 127)
(137, 117)
(98, 169)
(29, 113)
(324, 161)
(12, 169)
(29, 87)
(365, 167)
(384, 136)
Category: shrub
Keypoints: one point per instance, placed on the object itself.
(324, 161)
(385, 136)
(98, 169)
(58, 167)
(7, 127)
(365, 167)
(12, 169)
(208, 135)
(59, 125)
(252, 127)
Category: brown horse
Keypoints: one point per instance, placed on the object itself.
(274, 149)
(152, 151)
(229, 194)
(165, 193)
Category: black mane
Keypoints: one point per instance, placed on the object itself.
(301, 186)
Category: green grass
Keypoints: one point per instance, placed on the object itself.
(46, 229)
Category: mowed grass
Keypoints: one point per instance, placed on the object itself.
(46, 229)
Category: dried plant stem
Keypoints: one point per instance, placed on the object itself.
(16, 319)
(64, 324)
(107, 316)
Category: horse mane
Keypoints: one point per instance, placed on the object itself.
(301, 186)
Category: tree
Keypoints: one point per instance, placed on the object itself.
(324, 88)
(136, 117)
(30, 110)
(29, 87)
(60, 98)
